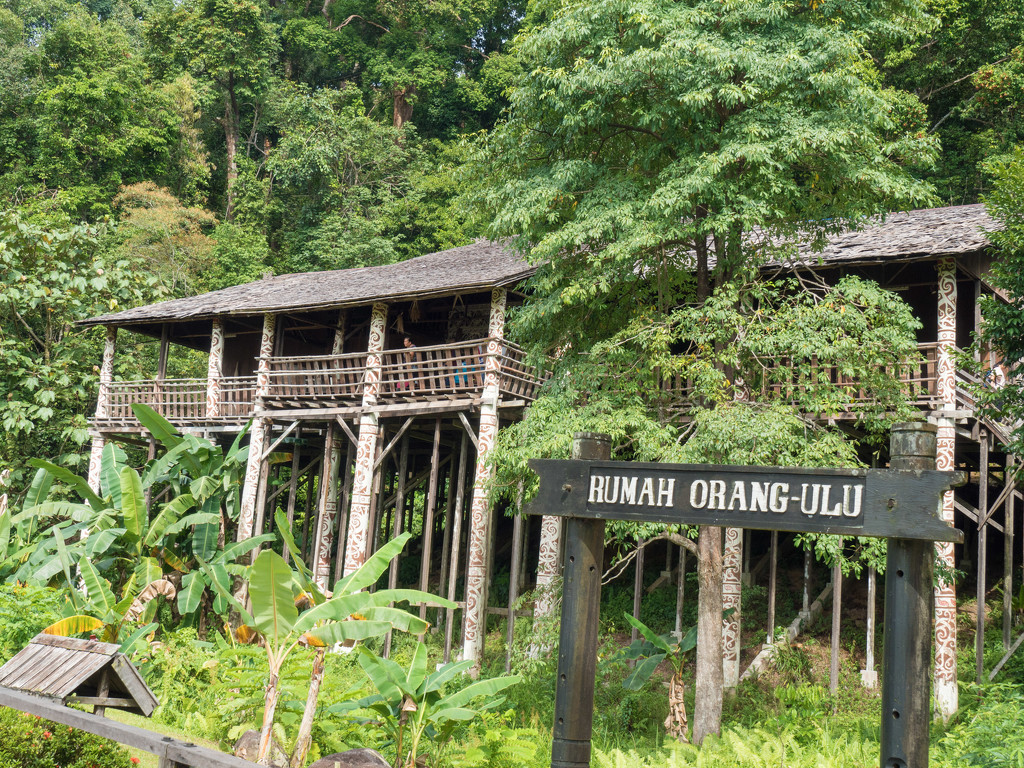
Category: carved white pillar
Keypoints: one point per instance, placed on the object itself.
(732, 565)
(106, 374)
(215, 369)
(946, 694)
(366, 449)
(548, 561)
(95, 457)
(258, 436)
(480, 511)
(102, 406)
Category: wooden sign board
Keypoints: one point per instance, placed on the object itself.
(900, 504)
(858, 502)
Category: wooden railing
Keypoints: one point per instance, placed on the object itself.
(174, 399)
(417, 373)
(421, 373)
(181, 400)
(779, 378)
(454, 371)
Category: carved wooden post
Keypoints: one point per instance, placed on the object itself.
(324, 538)
(548, 566)
(731, 587)
(906, 642)
(946, 694)
(480, 511)
(258, 436)
(362, 484)
(102, 406)
(215, 369)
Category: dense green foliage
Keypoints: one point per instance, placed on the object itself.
(28, 742)
(1003, 326)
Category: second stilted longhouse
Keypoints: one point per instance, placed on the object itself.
(375, 397)
(358, 436)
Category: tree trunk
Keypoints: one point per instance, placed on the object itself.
(707, 715)
(402, 108)
(231, 144)
(675, 723)
(305, 736)
(267, 731)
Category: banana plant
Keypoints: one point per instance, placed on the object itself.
(350, 614)
(654, 649)
(202, 483)
(97, 609)
(413, 704)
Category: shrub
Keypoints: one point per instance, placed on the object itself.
(24, 612)
(989, 736)
(27, 741)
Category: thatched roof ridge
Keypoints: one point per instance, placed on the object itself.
(468, 268)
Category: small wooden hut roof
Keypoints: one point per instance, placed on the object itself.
(470, 268)
(65, 667)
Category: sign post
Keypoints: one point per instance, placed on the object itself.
(900, 503)
(907, 641)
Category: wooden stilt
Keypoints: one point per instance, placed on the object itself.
(428, 518)
(638, 588)
(1008, 479)
(772, 566)
(680, 593)
(869, 675)
(837, 610)
(513, 579)
(805, 602)
(261, 491)
(446, 543)
(453, 572)
(346, 498)
(376, 501)
(979, 636)
(307, 514)
(293, 490)
(403, 470)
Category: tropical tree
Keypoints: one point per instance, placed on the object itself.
(1003, 327)
(230, 48)
(656, 152)
(349, 614)
(52, 277)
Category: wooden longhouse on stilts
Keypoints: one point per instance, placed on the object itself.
(320, 364)
(380, 438)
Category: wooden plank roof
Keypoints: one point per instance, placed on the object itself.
(62, 667)
(908, 236)
(480, 266)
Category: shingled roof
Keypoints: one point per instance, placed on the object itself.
(909, 236)
(477, 267)
(913, 235)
